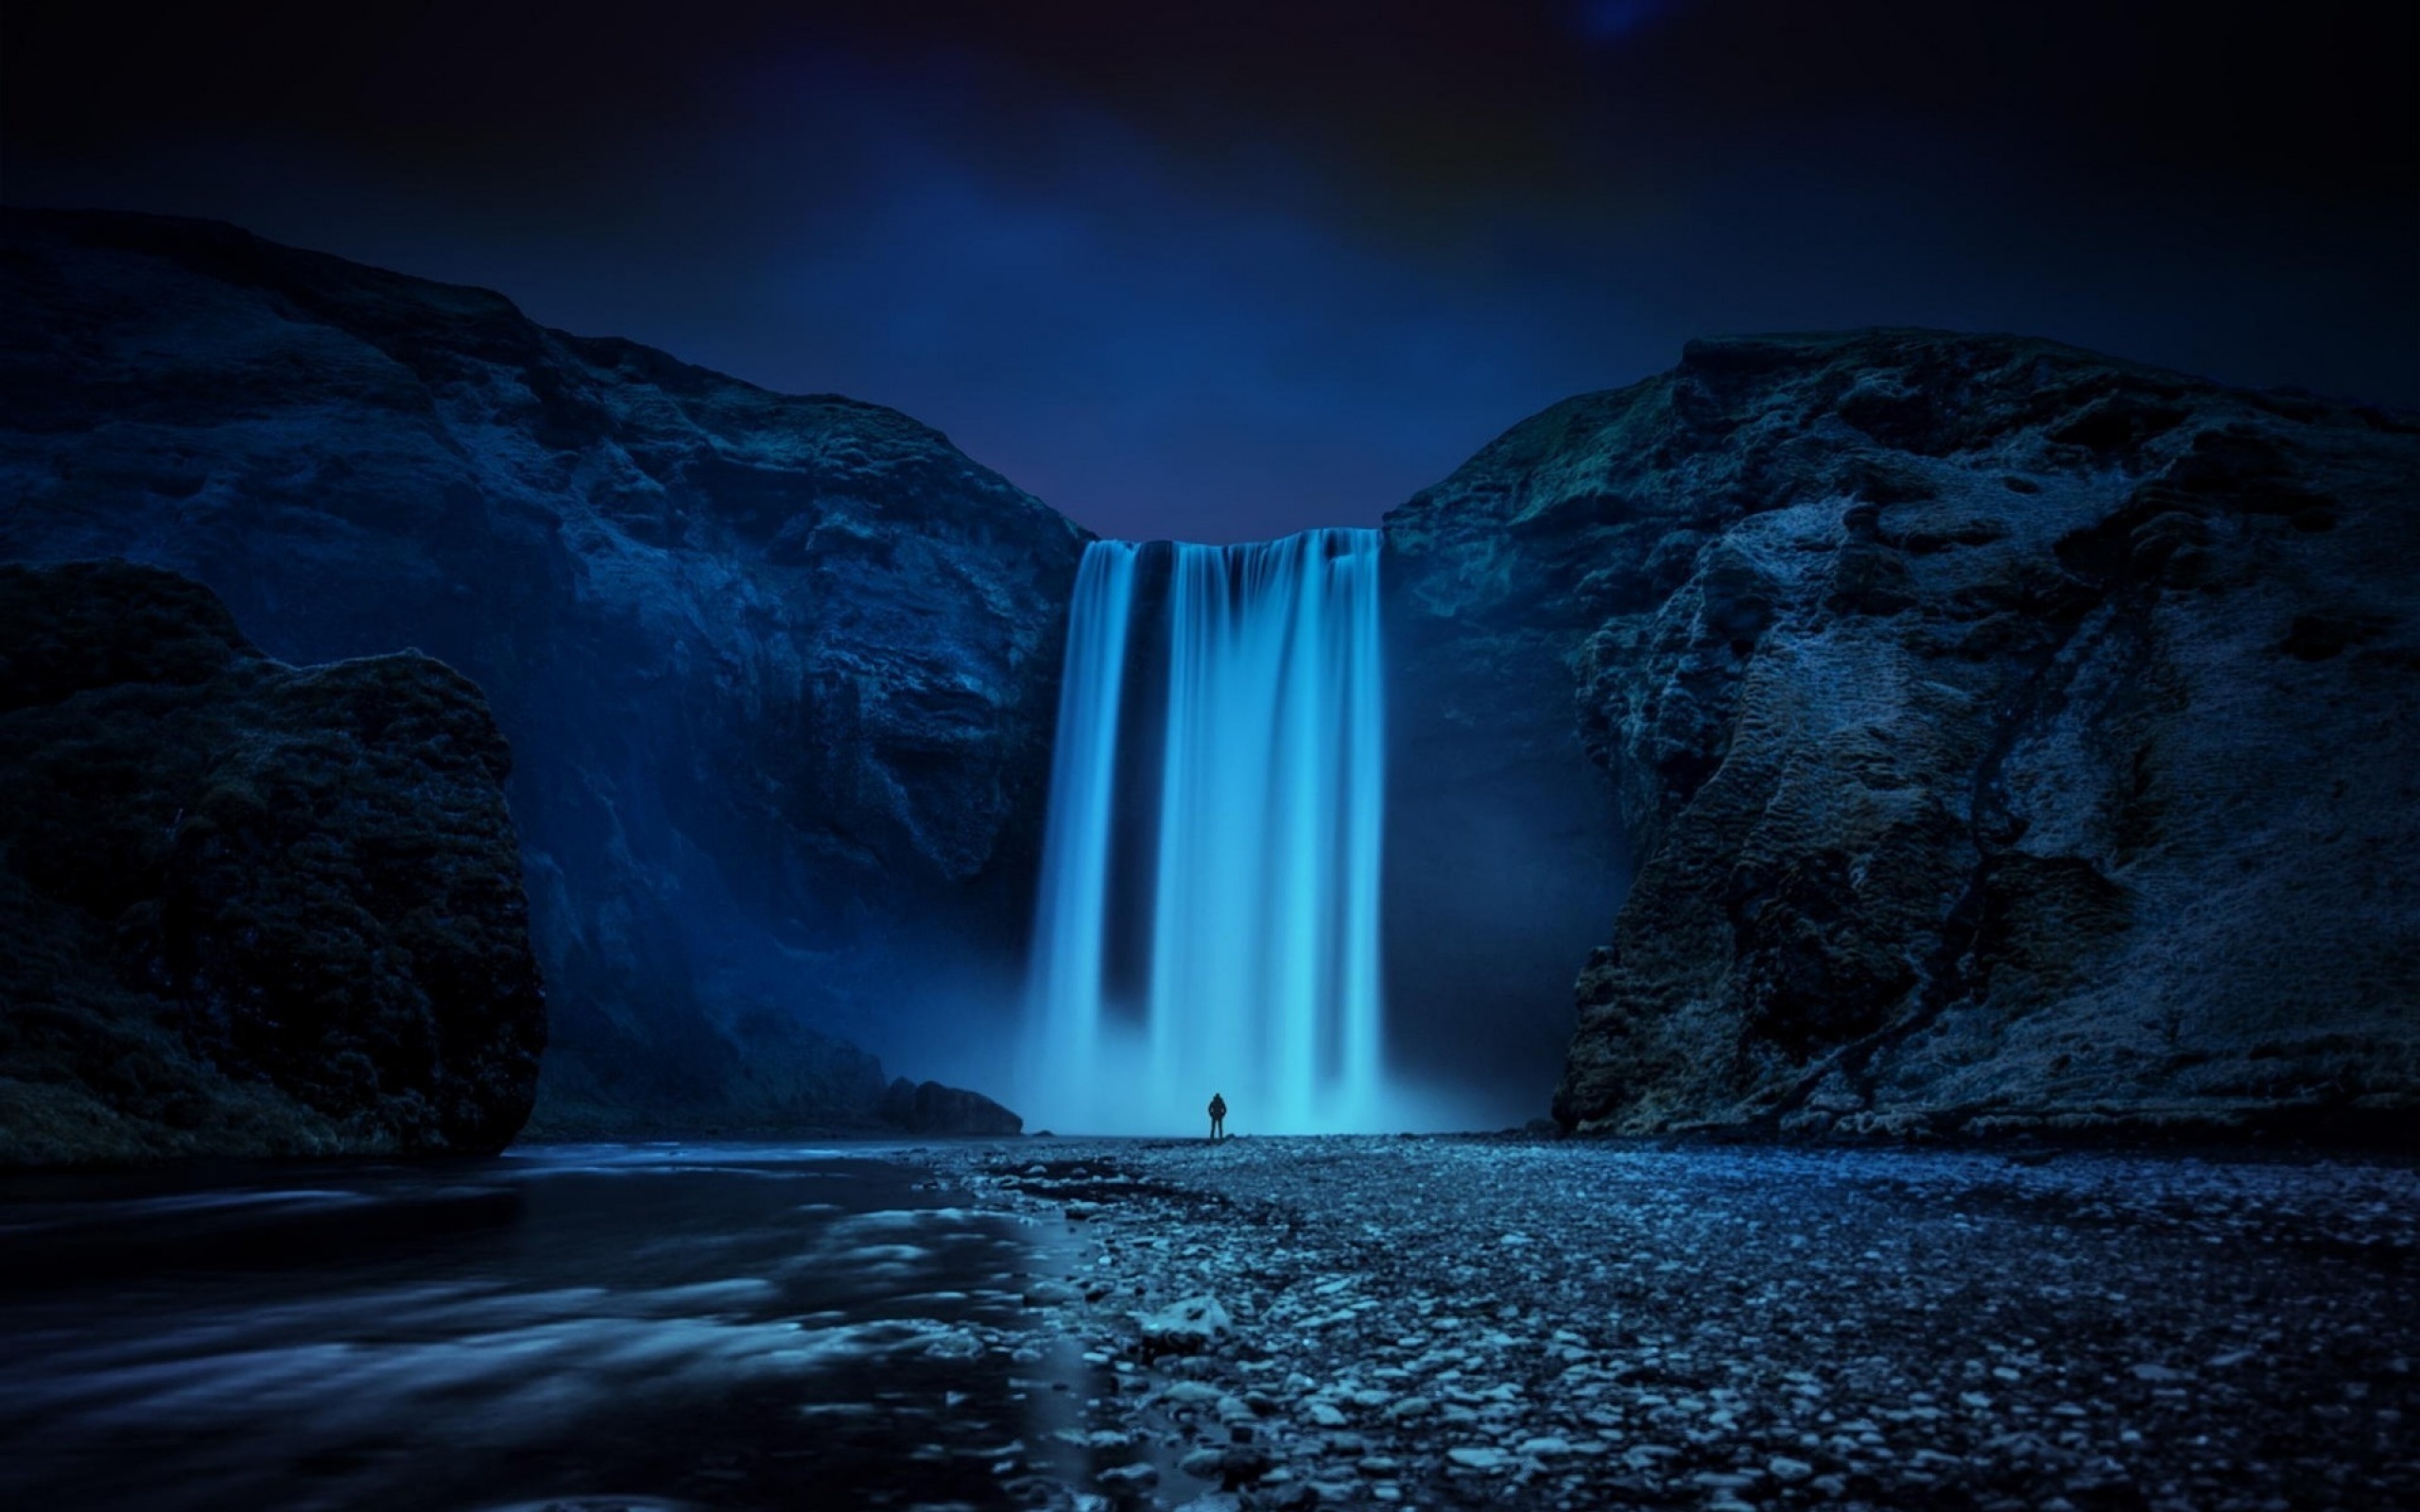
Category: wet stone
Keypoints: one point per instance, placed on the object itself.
(1754, 1327)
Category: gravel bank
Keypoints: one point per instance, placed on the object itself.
(1474, 1322)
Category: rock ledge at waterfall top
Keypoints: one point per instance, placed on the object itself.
(2010, 737)
(778, 671)
(246, 908)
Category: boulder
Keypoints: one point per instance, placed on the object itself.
(1186, 1327)
(246, 908)
(930, 1108)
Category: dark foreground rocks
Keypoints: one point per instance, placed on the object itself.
(246, 908)
(929, 1108)
(778, 672)
(1471, 1323)
(2008, 737)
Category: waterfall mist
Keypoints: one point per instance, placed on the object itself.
(1209, 911)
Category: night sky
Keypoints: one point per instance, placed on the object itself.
(1220, 272)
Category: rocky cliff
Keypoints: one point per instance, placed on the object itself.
(779, 672)
(244, 908)
(2007, 737)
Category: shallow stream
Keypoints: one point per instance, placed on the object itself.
(645, 1326)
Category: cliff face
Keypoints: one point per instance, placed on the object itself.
(2007, 737)
(779, 672)
(1504, 856)
(246, 908)
(2002, 735)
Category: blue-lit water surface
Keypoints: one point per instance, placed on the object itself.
(723, 1325)
(1209, 902)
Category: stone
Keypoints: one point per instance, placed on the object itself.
(1186, 1327)
(929, 1108)
(1243, 1464)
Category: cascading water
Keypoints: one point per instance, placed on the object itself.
(1208, 918)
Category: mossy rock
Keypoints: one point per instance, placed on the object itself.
(246, 908)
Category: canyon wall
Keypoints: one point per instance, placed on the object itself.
(778, 673)
(2007, 737)
(2001, 736)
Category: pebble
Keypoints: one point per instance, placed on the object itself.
(1720, 1328)
(1184, 1327)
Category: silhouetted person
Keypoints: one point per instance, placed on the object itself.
(1217, 1117)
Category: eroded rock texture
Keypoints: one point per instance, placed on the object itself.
(779, 671)
(2008, 736)
(246, 908)
(929, 1108)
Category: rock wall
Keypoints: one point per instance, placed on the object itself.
(246, 908)
(2008, 737)
(779, 672)
(1504, 856)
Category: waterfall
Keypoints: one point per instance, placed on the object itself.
(1208, 918)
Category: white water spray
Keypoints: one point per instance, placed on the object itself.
(1216, 798)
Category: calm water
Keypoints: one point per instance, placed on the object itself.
(651, 1326)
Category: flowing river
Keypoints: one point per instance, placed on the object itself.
(588, 1326)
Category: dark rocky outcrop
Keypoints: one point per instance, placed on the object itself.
(2008, 737)
(792, 1080)
(246, 908)
(929, 1108)
(779, 672)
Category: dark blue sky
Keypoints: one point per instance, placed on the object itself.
(1222, 272)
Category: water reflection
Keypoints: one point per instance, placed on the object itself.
(721, 1325)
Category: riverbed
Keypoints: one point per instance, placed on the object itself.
(1474, 1322)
